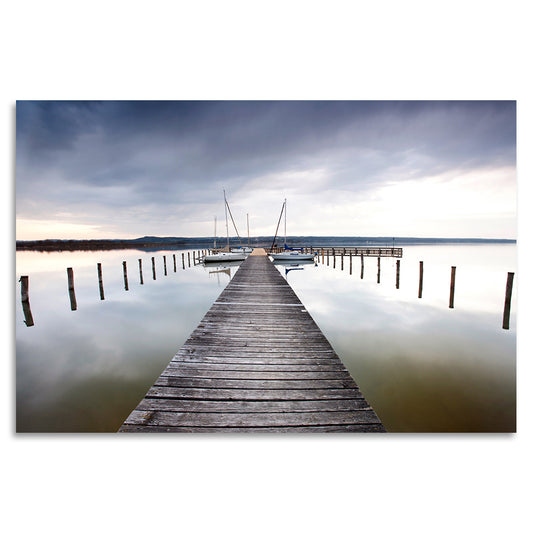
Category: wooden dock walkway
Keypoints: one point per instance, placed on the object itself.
(257, 362)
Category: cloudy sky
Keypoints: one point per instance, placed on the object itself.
(363, 168)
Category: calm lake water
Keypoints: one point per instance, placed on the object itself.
(422, 366)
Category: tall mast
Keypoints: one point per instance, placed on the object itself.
(226, 212)
(285, 220)
(215, 241)
(248, 226)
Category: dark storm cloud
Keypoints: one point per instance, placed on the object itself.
(181, 152)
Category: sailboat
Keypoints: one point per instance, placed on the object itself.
(224, 256)
(290, 254)
(246, 249)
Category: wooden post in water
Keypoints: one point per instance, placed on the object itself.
(334, 258)
(379, 269)
(174, 257)
(165, 264)
(100, 280)
(508, 293)
(189, 258)
(397, 273)
(71, 293)
(420, 279)
(24, 288)
(125, 269)
(342, 261)
(141, 271)
(153, 268)
(183, 260)
(327, 257)
(350, 262)
(452, 287)
(24, 297)
(362, 265)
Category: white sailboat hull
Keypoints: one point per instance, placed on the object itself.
(292, 256)
(224, 256)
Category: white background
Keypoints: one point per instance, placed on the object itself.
(275, 50)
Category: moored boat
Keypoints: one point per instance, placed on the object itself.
(290, 254)
(233, 254)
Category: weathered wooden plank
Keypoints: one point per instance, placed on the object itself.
(259, 365)
(191, 347)
(269, 419)
(178, 371)
(347, 428)
(213, 383)
(240, 406)
(193, 393)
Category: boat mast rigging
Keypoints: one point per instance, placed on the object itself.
(277, 227)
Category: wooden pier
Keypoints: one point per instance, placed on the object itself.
(257, 362)
(353, 251)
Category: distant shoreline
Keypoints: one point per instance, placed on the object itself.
(153, 243)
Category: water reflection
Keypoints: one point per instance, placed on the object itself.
(288, 266)
(28, 317)
(422, 366)
(222, 267)
(86, 371)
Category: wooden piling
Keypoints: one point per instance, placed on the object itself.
(362, 266)
(24, 288)
(508, 294)
(183, 260)
(420, 279)
(125, 269)
(452, 288)
(70, 276)
(379, 269)
(153, 268)
(174, 257)
(350, 262)
(141, 271)
(342, 262)
(189, 258)
(100, 281)
(165, 264)
(24, 297)
(327, 257)
(71, 293)
(397, 273)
